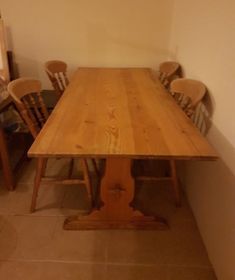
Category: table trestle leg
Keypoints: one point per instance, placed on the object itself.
(117, 192)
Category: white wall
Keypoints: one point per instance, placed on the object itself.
(87, 32)
(202, 39)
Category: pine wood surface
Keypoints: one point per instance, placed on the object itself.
(122, 112)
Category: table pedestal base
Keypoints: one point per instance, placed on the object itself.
(117, 192)
(96, 221)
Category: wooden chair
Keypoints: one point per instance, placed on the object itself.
(187, 93)
(168, 71)
(12, 132)
(26, 93)
(57, 73)
(5, 160)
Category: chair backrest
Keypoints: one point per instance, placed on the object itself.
(188, 93)
(57, 74)
(26, 93)
(168, 70)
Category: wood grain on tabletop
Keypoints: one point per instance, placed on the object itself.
(119, 112)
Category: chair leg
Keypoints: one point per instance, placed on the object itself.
(175, 183)
(40, 171)
(71, 165)
(94, 163)
(44, 167)
(87, 180)
(6, 166)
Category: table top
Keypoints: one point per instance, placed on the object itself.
(122, 112)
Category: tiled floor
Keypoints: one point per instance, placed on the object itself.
(34, 246)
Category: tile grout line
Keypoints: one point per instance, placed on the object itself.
(39, 215)
(105, 263)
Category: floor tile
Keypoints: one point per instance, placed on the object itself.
(55, 166)
(180, 245)
(27, 237)
(51, 271)
(50, 199)
(2, 220)
(134, 247)
(158, 198)
(53, 200)
(35, 246)
(27, 172)
(18, 201)
(190, 273)
(76, 199)
(62, 200)
(136, 272)
(183, 246)
(38, 238)
(79, 245)
(4, 199)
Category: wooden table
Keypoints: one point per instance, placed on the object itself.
(120, 115)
